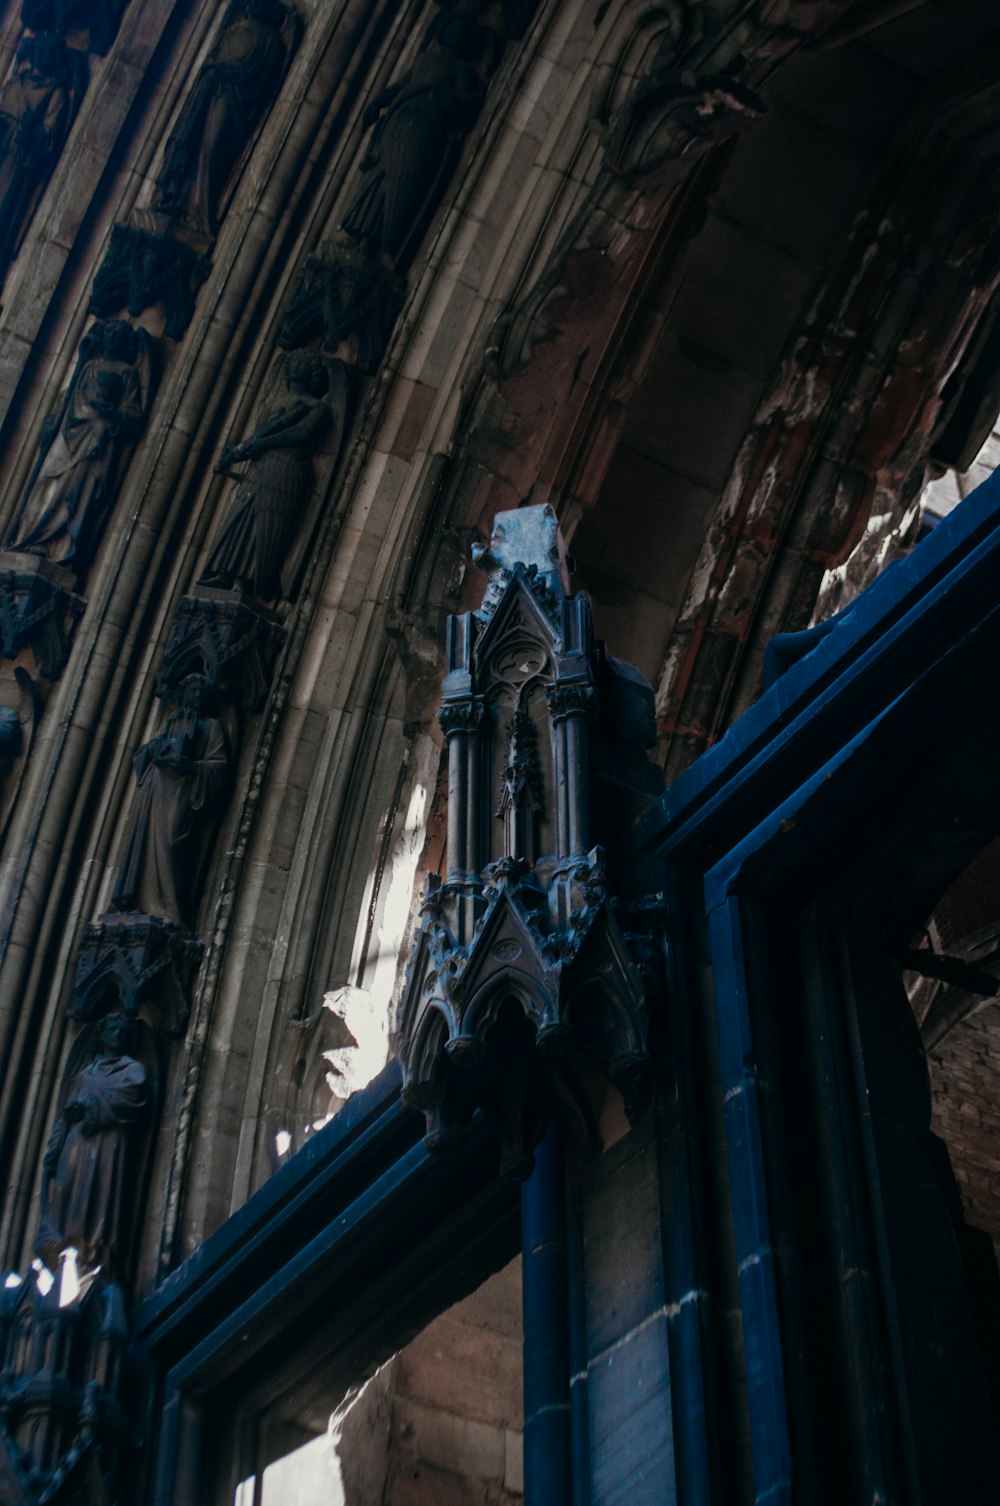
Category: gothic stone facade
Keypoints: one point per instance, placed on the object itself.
(617, 927)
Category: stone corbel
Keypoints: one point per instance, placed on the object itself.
(345, 299)
(38, 610)
(153, 259)
(227, 638)
(126, 962)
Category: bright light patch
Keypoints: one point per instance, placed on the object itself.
(69, 1277)
(44, 1278)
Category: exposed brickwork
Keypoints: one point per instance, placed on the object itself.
(964, 1078)
(457, 1405)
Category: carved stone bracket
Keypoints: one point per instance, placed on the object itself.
(152, 260)
(98, 18)
(62, 1413)
(530, 980)
(38, 610)
(128, 961)
(343, 294)
(228, 639)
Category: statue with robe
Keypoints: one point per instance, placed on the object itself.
(37, 106)
(237, 84)
(420, 123)
(86, 445)
(273, 492)
(89, 1164)
(180, 775)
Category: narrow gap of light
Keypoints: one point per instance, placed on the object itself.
(44, 1278)
(69, 1277)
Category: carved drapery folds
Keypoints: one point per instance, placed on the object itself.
(88, 1170)
(162, 255)
(253, 544)
(240, 78)
(349, 293)
(180, 776)
(40, 101)
(86, 445)
(85, 448)
(418, 126)
(37, 107)
(536, 953)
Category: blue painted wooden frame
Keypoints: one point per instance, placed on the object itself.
(811, 757)
(349, 1248)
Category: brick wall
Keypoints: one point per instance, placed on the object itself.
(965, 1077)
(455, 1399)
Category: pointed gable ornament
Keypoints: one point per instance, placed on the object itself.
(528, 986)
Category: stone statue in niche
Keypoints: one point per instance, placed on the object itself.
(233, 90)
(86, 444)
(420, 123)
(37, 107)
(98, 18)
(180, 775)
(271, 495)
(88, 1165)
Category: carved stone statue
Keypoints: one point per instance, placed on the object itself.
(237, 84)
(85, 446)
(87, 1163)
(272, 493)
(180, 774)
(420, 123)
(36, 111)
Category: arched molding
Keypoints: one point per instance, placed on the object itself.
(866, 387)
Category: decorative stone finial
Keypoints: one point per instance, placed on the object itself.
(530, 966)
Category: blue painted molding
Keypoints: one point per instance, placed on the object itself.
(943, 587)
